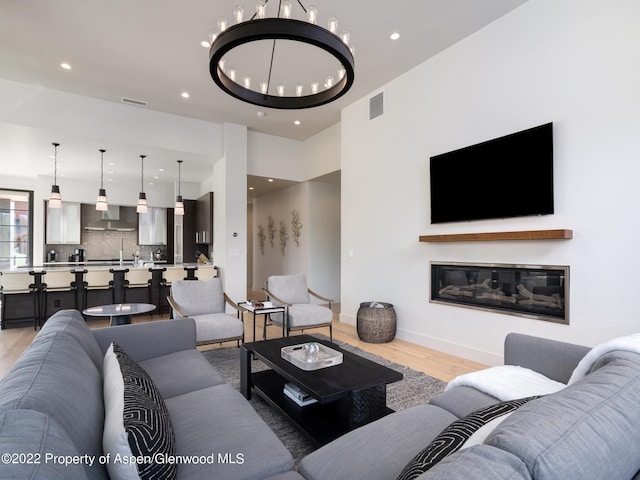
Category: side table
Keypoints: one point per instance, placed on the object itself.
(267, 309)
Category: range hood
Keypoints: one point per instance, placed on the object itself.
(110, 221)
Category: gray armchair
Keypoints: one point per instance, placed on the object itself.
(291, 291)
(205, 302)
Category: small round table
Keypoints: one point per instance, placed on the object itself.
(119, 313)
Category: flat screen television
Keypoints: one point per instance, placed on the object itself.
(510, 176)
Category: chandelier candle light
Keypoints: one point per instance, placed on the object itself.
(141, 207)
(281, 27)
(55, 200)
(101, 202)
(179, 208)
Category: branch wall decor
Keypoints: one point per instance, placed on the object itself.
(296, 226)
(284, 235)
(261, 238)
(271, 228)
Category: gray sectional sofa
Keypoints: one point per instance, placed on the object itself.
(588, 430)
(52, 411)
(51, 404)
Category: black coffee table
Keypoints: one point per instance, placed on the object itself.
(349, 395)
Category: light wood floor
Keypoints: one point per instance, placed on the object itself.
(436, 364)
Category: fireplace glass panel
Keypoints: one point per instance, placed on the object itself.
(532, 291)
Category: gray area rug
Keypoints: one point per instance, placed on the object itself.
(416, 388)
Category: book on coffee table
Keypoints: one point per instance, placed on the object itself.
(298, 395)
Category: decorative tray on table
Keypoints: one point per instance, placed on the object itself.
(258, 304)
(311, 356)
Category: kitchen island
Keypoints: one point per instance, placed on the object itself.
(21, 301)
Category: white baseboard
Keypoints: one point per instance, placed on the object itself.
(346, 318)
(434, 343)
(475, 355)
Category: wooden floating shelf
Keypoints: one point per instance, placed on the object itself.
(561, 234)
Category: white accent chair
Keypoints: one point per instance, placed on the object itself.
(205, 302)
(291, 291)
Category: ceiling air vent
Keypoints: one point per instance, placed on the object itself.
(376, 106)
(136, 103)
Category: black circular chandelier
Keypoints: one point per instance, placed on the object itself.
(282, 27)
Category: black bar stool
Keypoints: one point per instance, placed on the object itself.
(39, 291)
(118, 285)
(157, 286)
(79, 288)
(191, 272)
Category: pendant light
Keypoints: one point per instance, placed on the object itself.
(101, 202)
(142, 199)
(55, 200)
(179, 208)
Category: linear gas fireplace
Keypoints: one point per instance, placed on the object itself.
(532, 291)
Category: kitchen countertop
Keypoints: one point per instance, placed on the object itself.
(101, 266)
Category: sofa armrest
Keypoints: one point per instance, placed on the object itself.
(143, 341)
(555, 360)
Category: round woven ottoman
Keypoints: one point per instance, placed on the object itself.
(376, 322)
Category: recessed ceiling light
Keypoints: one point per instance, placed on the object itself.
(251, 188)
(205, 44)
(394, 36)
(66, 66)
(111, 164)
(261, 114)
(161, 169)
(270, 180)
(185, 94)
(297, 122)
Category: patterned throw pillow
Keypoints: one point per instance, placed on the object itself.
(137, 424)
(460, 434)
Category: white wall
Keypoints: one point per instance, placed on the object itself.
(276, 157)
(571, 62)
(322, 153)
(323, 229)
(318, 255)
(318, 252)
(278, 206)
(230, 211)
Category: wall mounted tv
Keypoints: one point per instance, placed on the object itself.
(510, 176)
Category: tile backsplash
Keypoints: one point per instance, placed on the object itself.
(105, 245)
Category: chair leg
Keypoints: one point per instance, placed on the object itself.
(264, 326)
(36, 314)
(285, 322)
(43, 316)
(331, 332)
(149, 296)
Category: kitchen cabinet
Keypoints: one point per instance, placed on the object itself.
(186, 230)
(63, 224)
(204, 219)
(152, 226)
(189, 229)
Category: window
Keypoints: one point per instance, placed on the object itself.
(16, 228)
